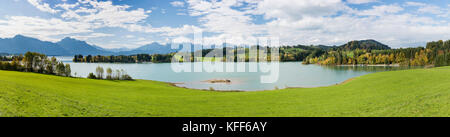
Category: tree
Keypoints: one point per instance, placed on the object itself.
(49, 67)
(15, 65)
(60, 69)
(109, 73)
(127, 77)
(123, 74)
(99, 71)
(68, 71)
(118, 74)
(28, 61)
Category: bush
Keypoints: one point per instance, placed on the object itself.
(127, 77)
(91, 76)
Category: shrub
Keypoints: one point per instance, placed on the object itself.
(127, 77)
(91, 76)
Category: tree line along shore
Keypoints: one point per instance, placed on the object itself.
(366, 52)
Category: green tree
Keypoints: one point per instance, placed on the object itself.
(99, 71)
(60, 69)
(109, 73)
(68, 71)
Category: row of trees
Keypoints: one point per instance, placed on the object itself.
(287, 53)
(110, 74)
(38, 63)
(437, 53)
(139, 58)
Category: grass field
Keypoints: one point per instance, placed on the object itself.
(419, 92)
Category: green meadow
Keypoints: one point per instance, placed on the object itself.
(409, 93)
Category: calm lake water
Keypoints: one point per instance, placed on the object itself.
(291, 74)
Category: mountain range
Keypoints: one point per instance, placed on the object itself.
(74, 46)
(20, 44)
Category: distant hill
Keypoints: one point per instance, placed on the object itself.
(117, 49)
(364, 44)
(76, 47)
(22, 44)
(324, 47)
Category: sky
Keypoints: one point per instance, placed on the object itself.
(133, 23)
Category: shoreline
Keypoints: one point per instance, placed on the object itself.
(175, 85)
(287, 87)
(374, 65)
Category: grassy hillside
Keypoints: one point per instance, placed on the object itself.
(421, 92)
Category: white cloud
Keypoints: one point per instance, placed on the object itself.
(181, 39)
(431, 9)
(171, 31)
(410, 3)
(40, 28)
(105, 14)
(177, 3)
(295, 10)
(92, 35)
(85, 10)
(381, 10)
(293, 21)
(426, 8)
(66, 6)
(361, 1)
(91, 14)
(81, 17)
(314, 22)
(220, 17)
(129, 36)
(42, 6)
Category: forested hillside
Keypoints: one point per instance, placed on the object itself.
(436, 53)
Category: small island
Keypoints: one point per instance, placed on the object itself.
(226, 81)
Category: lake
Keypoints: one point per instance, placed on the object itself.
(291, 74)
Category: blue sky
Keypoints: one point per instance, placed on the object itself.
(133, 23)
